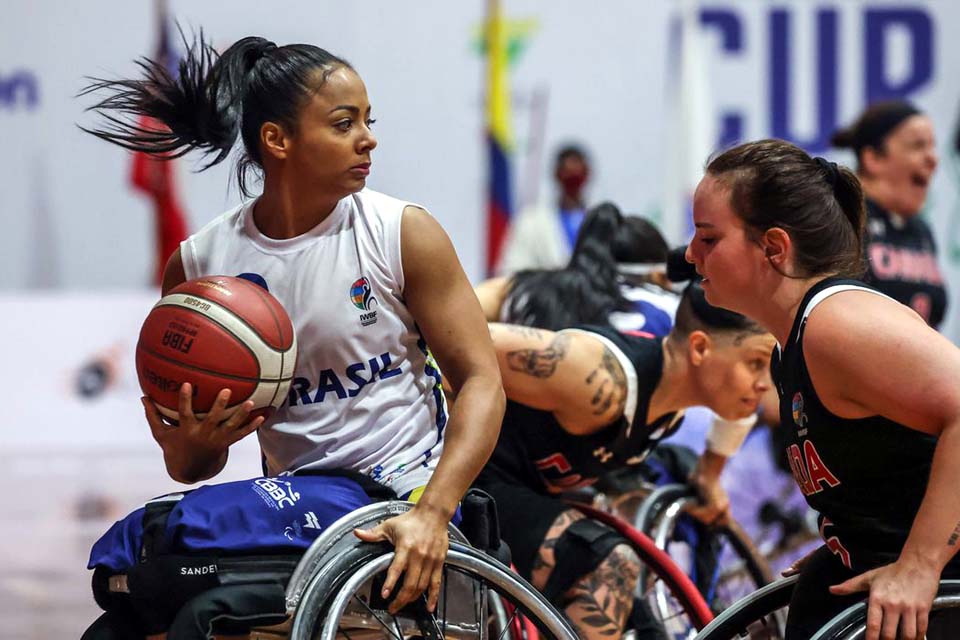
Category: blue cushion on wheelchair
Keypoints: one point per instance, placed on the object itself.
(119, 547)
(260, 515)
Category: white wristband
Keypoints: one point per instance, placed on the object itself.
(725, 436)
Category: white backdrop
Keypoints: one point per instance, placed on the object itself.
(73, 227)
(71, 220)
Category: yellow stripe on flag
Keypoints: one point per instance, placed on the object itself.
(498, 96)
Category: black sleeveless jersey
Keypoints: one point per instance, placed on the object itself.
(867, 476)
(902, 263)
(535, 450)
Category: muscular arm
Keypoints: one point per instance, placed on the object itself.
(877, 357)
(892, 364)
(571, 374)
(446, 310)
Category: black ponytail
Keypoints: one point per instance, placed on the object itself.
(593, 253)
(214, 99)
(586, 291)
(200, 107)
(849, 195)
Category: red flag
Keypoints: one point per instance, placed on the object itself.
(155, 176)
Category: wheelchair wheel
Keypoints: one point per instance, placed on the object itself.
(743, 572)
(479, 599)
(852, 623)
(758, 616)
(656, 501)
(735, 567)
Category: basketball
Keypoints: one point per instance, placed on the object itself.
(217, 332)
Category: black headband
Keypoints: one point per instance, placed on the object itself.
(875, 125)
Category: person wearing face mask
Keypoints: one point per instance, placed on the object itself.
(896, 158)
(543, 236)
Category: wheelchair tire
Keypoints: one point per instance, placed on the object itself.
(755, 564)
(341, 591)
(666, 501)
(758, 615)
(653, 505)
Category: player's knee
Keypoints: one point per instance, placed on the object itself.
(590, 550)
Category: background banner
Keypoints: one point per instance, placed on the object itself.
(77, 253)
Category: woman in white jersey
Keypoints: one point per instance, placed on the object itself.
(368, 280)
(868, 391)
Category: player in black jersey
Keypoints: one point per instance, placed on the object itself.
(585, 402)
(868, 391)
(896, 157)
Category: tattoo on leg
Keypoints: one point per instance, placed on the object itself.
(612, 391)
(545, 561)
(540, 363)
(601, 601)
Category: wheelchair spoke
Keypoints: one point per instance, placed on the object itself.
(396, 623)
(509, 623)
(432, 619)
(398, 634)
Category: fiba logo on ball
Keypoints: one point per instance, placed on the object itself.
(362, 297)
(799, 417)
(217, 332)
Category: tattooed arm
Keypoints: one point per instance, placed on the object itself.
(572, 374)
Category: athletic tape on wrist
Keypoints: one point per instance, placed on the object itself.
(725, 436)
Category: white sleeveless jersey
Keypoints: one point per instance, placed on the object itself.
(366, 394)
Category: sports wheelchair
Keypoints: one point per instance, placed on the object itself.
(762, 616)
(331, 591)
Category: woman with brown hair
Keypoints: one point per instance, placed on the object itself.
(867, 390)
